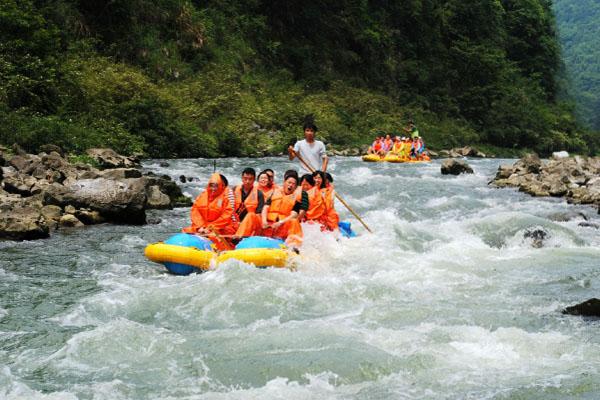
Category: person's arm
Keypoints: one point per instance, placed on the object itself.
(195, 215)
(302, 206)
(325, 161)
(292, 150)
(261, 202)
(265, 212)
(323, 155)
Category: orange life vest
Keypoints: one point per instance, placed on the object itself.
(316, 205)
(267, 192)
(282, 204)
(217, 210)
(250, 203)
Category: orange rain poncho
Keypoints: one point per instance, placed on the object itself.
(213, 210)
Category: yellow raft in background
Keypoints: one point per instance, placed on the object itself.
(391, 158)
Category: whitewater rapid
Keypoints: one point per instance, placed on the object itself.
(446, 300)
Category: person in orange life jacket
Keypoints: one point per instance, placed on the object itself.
(387, 144)
(416, 147)
(212, 210)
(316, 205)
(324, 181)
(377, 146)
(280, 213)
(265, 183)
(248, 206)
(397, 146)
(271, 176)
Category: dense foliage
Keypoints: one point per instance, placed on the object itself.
(579, 26)
(182, 78)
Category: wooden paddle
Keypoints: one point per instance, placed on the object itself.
(311, 169)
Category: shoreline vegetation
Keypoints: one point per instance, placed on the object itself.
(175, 79)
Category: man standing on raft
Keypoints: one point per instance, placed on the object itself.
(310, 150)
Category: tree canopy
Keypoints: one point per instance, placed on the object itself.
(182, 78)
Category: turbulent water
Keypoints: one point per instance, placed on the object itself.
(448, 299)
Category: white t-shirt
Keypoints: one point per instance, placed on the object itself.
(313, 153)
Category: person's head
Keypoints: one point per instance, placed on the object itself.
(263, 179)
(290, 172)
(310, 129)
(290, 183)
(319, 178)
(307, 182)
(387, 137)
(328, 177)
(216, 184)
(248, 177)
(270, 174)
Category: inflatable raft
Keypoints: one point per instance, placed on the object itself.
(185, 253)
(392, 159)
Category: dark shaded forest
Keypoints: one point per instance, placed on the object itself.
(180, 78)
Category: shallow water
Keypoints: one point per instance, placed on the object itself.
(446, 300)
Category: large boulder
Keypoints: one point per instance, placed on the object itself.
(22, 219)
(19, 184)
(108, 158)
(531, 163)
(25, 163)
(120, 201)
(455, 167)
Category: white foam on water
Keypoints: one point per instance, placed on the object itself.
(11, 388)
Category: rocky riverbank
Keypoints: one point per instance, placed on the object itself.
(575, 178)
(43, 192)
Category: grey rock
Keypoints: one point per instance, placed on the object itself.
(120, 201)
(22, 219)
(19, 184)
(537, 235)
(51, 212)
(121, 173)
(89, 217)
(155, 199)
(108, 158)
(70, 221)
(49, 148)
(69, 209)
(567, 216)
(455, 167)
(164, 164)
(589, 308)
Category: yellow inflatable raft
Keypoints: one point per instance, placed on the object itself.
(391, 158)
(183, 253)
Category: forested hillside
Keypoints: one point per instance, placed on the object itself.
(579, 26)
(180, 78)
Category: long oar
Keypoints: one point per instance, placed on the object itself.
(220, 238)
(311, 169)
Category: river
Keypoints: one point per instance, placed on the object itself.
(446, 300)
